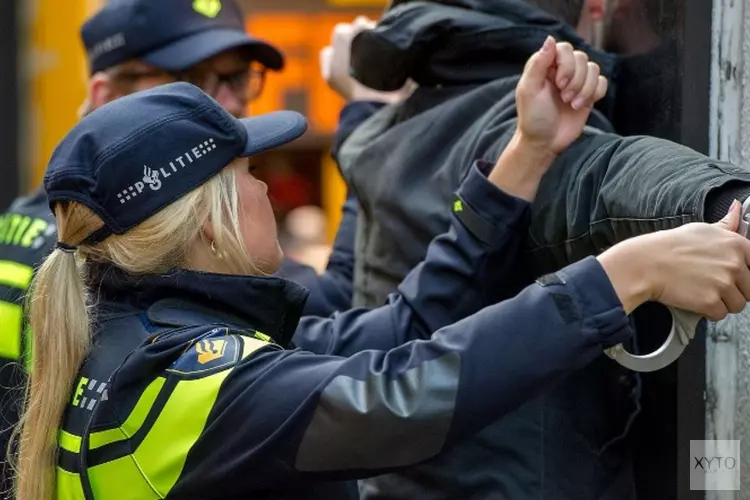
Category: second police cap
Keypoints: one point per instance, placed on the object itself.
(170, 34)
(134, 156)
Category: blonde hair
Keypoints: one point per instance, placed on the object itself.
(59, 303)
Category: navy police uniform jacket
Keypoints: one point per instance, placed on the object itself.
(210, 386)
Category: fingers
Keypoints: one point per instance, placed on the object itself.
(342, 32)
(566, 65)
(538, 66)
(731, 220)
(586, 94)
(601, 88)
(734, 288)
(716, 312)
(580, 72)
(578, 79)
(743, 278)
(326, 56)
(734, 301)
(363, 23)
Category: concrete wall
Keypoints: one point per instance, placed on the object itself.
(728, 342)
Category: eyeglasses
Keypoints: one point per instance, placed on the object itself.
(246, 85)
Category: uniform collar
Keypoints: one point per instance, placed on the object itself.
(270, 305)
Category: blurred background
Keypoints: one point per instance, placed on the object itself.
(304, 183)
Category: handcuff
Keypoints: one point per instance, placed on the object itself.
(684, 327)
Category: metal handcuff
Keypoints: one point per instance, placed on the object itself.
(684, 327)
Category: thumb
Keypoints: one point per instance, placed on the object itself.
(326, 56)
(538, 65)
(731, 220)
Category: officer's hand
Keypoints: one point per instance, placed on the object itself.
(555, 95)
(335, 60)
(698, 267)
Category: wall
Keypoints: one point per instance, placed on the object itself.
(728, 343)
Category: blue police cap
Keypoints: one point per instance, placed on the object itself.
(170, 34)
(135, 155)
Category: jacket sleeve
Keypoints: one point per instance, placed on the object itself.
(352, 115)
(608, 188)
(331, 291)
(471, 266)
(283, 416)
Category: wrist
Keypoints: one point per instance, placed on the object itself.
(535, 149)
(521, 167)
(361, 93)
(632, 271)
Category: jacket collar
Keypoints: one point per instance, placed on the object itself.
(182, 298)
(469, 43)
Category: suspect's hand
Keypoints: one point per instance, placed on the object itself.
(547, 123)
(335, 60)
(555, 95)
(698, 267)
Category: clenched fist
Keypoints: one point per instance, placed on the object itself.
(335, 61)
(555, 95)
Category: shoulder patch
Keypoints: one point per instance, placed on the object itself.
(215, 351)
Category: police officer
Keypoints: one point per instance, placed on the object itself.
(186, 390)
(134, 45)
(131, 47)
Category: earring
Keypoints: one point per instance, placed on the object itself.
(217, 253)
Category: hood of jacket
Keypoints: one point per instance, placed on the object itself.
(468, 42)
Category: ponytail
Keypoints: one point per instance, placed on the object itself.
(58, 312)
(60, 329)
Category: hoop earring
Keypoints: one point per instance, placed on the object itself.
(217, 253)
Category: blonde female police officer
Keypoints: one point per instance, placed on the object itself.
(175, 383)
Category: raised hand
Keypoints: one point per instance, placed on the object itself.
(549, 119)
(335, 61)
(555, 95)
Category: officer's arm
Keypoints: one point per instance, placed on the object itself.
(282, 416)
(471, 266)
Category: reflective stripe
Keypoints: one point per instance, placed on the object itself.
(15, 274)
(11, 323)
(163, 452)
(121, 479)
(19, 276)
(155, 466)
(72, 443)
(69, 442)
(36, 228)
(21, 230)
(133, 422)
(68, 486)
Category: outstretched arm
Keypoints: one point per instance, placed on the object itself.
(607, 188)
(466, 268)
